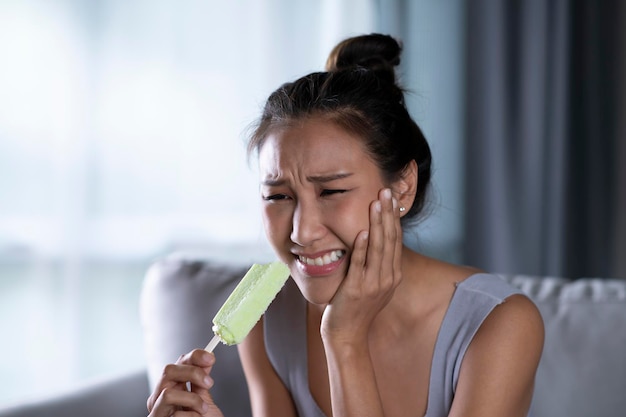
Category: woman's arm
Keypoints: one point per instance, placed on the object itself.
(498, 371)
(268, 395)
(354, 391)
(374, 274)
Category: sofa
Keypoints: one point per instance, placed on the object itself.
(582, 372)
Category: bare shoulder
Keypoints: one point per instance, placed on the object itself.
(418, 264)
(498, 371)
(516, 317)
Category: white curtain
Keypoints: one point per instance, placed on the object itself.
(121, 122)
(122, 138)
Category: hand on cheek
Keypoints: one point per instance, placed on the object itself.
(373, 274)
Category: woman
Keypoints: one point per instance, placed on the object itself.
(366, 326)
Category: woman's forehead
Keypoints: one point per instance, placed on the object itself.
(314, 149)
(315, 141)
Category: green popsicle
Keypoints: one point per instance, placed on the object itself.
(247, 303)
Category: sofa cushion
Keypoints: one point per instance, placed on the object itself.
(583, 367)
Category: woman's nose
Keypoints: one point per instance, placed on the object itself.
(307, 225)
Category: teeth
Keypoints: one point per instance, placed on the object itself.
(322, 260)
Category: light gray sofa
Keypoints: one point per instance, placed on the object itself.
(582, 372)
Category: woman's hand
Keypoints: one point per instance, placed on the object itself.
(373, 275)
(172, 397)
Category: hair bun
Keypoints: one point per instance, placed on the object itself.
(374, 51)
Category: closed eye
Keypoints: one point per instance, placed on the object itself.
(331, 192)
(275, 197)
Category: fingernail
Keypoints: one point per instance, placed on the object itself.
(387, 193)
(395, 203)
(208, 381)
(205, 407)
(377, 206)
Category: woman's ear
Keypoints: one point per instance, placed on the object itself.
(405, 187)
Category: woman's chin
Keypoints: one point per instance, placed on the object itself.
(318, 293)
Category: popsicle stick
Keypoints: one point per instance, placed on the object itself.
(212, 343)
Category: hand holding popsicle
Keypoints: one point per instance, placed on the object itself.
(185, 385)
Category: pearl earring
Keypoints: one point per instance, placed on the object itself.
(402, 209)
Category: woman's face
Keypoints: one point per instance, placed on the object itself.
(317, 184)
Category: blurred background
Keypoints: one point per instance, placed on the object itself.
(122, 139)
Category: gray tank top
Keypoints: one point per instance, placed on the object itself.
(473, 299)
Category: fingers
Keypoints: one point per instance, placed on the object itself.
(172, 393)
(199, 364)
(397, 262)
(359, 252)
(390, 224)
(172, 400)
(197, 357)
(385, 242)
(376, 243)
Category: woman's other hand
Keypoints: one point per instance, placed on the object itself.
(373, 275)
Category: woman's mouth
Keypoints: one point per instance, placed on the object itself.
(325, 259)
(321, 265)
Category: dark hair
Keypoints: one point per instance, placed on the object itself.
(360, 93)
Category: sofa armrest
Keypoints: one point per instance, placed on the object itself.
(123, 395)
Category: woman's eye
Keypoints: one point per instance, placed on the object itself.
(275, 197)
(331, 192)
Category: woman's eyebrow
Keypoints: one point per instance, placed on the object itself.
(271, 182)
(276, 182)
(329, 177)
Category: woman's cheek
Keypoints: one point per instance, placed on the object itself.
(350, 220)
(277, 224)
